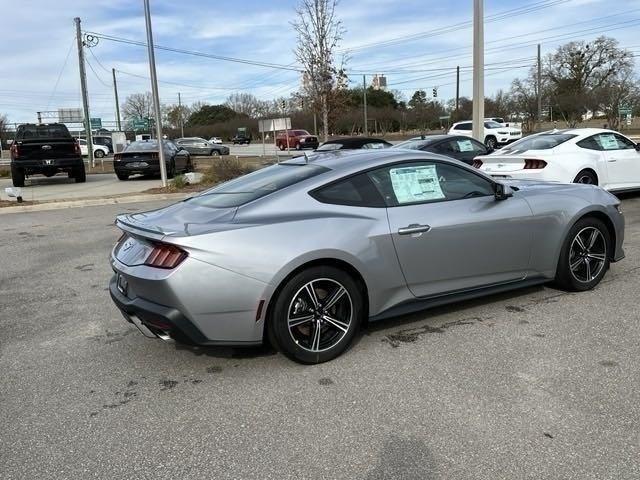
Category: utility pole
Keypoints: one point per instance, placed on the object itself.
(115, 91)
(539, 88)
(457, 87)
(85, 94)
(364, 99)
(39, 118)
(478, 70)
(154, 93)
(182, 119)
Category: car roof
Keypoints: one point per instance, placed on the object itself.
(355, 141)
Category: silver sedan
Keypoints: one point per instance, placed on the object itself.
(303, 252)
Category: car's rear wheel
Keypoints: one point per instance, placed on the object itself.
(316, 315)
(122, 176)
(587, 177)
(99, 154)
(584, 258)
(298, 146)
(79, 173)
(17, 176)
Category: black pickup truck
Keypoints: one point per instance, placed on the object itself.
(45, 149)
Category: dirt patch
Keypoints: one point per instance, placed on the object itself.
(14, 203)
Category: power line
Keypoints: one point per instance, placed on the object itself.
(194, 53)
(64, 66)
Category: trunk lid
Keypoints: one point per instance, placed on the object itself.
(511, 161)
(44, 148)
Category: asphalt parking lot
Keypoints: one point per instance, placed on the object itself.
(532, 384)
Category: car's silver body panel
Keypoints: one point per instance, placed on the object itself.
(238, 257)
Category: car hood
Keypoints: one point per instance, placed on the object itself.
(178, 220)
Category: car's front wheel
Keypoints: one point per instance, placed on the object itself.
(99, 154)
(316, 315)
(585, 255)
(587, 177)
(491, 143)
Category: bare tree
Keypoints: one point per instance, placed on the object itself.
(319, 32)
(138, 106)
(3, 125)
(621, 89)
(244, 103)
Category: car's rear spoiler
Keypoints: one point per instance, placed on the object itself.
(129, 225)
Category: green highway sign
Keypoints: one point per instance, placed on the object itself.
(141, 124)
(96, 122)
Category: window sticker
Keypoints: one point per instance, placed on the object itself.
(465, 145)
(608, 141)
(416, 184)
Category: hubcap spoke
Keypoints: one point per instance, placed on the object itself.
(575, 265)
(592, 239)
(336, 323)
(587, 264)
(315, 345)
(588, 254)
(340, 291)
(580, 242)
(597, 256)
(294, 322)
(312, 294)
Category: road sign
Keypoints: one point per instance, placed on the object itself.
(274, 124)
(70, 115)
(141, 124)
(96, 123)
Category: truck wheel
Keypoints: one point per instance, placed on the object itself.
(79, 173)
(490, 142)
(17, 176)
(281, 146)
(98, 154)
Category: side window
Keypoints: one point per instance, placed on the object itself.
(426, 182)
(357, 191)
(589, 143)
(624, 143)
(464, 126)
(608, 141)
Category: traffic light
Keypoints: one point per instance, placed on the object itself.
(283, 104)
(435, 92)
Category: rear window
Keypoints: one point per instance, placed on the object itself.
(299, 133)
(413, 144)
(143, 145)
(542, 141)
(256, 185)
(328, 147)
(42, 131)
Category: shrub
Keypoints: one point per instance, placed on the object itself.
(225, 169)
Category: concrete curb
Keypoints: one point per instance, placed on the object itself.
(93, 202)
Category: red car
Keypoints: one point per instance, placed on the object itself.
(298, 139)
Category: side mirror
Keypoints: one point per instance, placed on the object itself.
(502, 192)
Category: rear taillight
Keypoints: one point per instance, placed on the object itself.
(15, 150)
(76, 147)
(165, 255)
(534, 164)
(117, 157)
(155, 156)
(476, 163)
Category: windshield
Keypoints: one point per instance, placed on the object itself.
(493, 125)
(256, 185)
(541, 141)
(42, 131)
(327, 147)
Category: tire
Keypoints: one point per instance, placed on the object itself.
(281, 146)
(98, 154)
(587, 177)
(17, 176)
(491, 143)
(214, 153)
(79, 173)
(299, 342)
(580, 269)
(298, 147)
(122, 176)
(171, 171)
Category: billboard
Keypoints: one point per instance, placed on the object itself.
(274, 124)
(70, 115)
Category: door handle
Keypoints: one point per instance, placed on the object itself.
(611, 160)
(413, 228)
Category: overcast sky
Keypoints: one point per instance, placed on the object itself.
(40, 66)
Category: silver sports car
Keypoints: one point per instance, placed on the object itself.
(303, 252)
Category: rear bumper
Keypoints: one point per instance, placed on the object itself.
(48, 163)
(163, 322)
(151, 169)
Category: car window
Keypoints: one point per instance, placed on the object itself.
(42, 131)
(426, 182)
(589, 143)
(257, 184)
(624, 143)
(463, 126)
(492, 125)
(609, 141)
(375, 145)
(462, 145)
(541, 141)
(327, 147)
(354, 191)
(82, 142)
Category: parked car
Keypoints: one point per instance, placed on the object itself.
(303, 251)
(99, 151)
(353, 143)
(215, 140)
(494, 133)
(581, 155)
(200, 146)
(45, 149)
(461, 148)
(104, 140)
(144, 157)
(241, 140)
(298, 139)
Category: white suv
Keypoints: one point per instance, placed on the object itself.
(494, 133)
